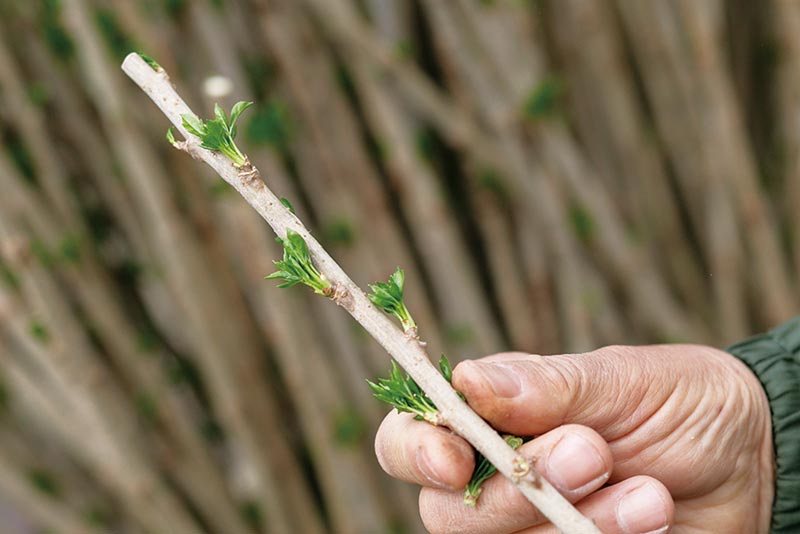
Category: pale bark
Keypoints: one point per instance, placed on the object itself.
(407, 351)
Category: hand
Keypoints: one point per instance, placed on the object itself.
(666, 438)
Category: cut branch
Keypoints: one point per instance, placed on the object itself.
(407, 352)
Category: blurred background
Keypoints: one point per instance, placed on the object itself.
(553, 175)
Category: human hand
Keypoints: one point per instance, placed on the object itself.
(665, 438)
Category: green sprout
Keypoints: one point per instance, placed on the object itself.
(39, 331)
(389, 297)
(296, 266)
(171, 137)
(484, 470)
(402, 392)
(150, 61)
(287, 205)
(544, 100)
(446, 368)
(44, 482)
(217, 133)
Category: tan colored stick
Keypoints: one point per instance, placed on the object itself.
(407, 351)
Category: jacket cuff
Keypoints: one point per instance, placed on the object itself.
(775, 360)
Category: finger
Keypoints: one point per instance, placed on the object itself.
(611, 389)
(575, 459)
(418, 452)
(639, 505)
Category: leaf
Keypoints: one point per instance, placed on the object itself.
(398, 279)
(39, 331)
(545, 98)
(484, 470)
(237, 110)
(193, 124)
(44, 482)
(296, 266)
(446, 368)
(402, 392)
(389, 297)
(287, 204)
(217, 133)
(171, 137)
(220, 115)
(150, 61)
(215, 136)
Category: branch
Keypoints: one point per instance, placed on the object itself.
(405, 350)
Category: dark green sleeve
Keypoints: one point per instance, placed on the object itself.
(775, 359)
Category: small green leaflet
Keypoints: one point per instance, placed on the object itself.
(402, 392)
(389, 297)
(287, 204)
(297, 267)
(150, 61)
(484, 470)
(218, 133)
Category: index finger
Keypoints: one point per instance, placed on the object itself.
(420, 453)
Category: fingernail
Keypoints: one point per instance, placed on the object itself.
(503, 380)
(642, 511)
(574, 462)
(428, 471)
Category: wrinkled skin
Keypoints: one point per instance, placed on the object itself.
(667, 438)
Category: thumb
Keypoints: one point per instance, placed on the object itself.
(612, 390)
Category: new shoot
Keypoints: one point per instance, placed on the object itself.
(388, 296)
(484, 470)
(297, 267)
(217, 133)
(402, 392)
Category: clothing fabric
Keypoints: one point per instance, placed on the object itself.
(775, 359)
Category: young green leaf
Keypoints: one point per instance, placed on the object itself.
(297, 267)
(237, 110)
(288, 204)
(150, 61)
(484, 470)
(402, 392)
(447, 372)
(389, 297)
(171, 137)
(220, 115)
(446, 368)
(215, 136)
(218, 133)
(193, 124)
